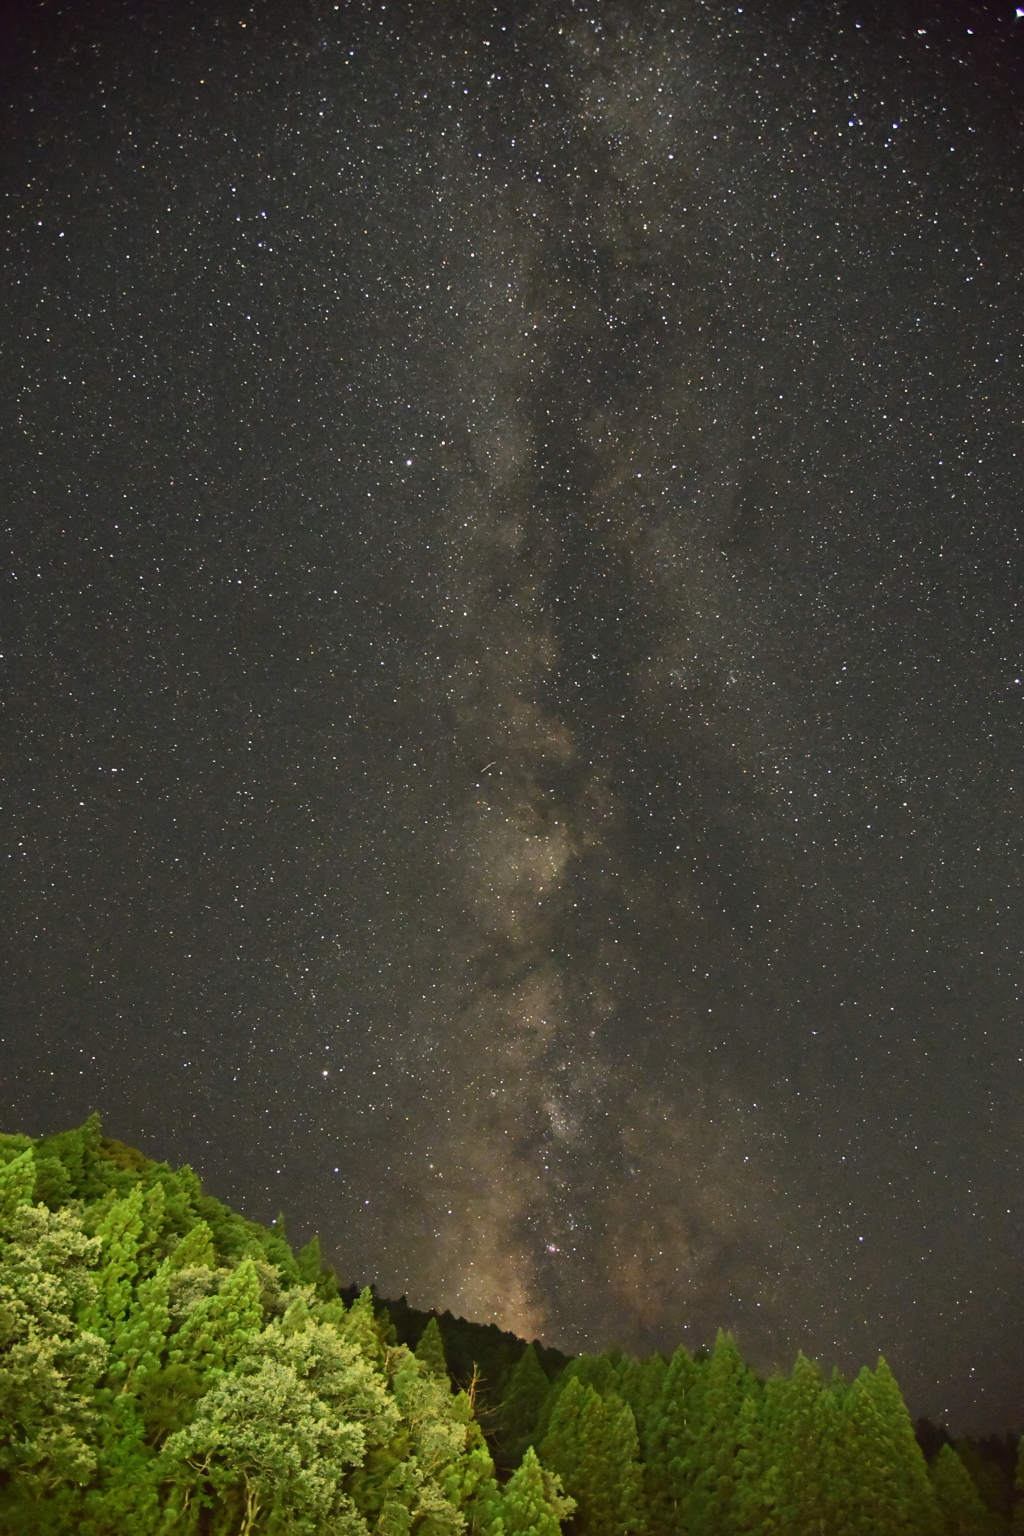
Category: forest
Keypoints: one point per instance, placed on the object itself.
(168, 1366)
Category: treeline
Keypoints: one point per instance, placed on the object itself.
(168, 1366)
(700, 1445)
(786, 1454)
(474, 1351)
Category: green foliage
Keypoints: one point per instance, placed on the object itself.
(713, 1465)
(670, 1435)
(275, 1249)
(791, 1467)
(517, 1417)
(309, 1262)
(235, 1238)
(991, 1463)
(82, 1166)
(602, 1372)
(167, 1399)
(12, 1147)
(961, 1506)
(361, 1327)
(533, 1502)
(276, 1437)
(892, 1479)
(477, 1352)
(641, 1386)
(120, 1232)
(49, 1367)
(195, 1250)
(217, 1329)
(432, 1465)
(313, 1271)
(139, 1342)
(17, 1182)
(167, 1365)
(430, 1350)
(592, 1445)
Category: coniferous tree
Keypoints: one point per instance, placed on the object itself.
(272, 1245)
(533, 1503)
(430, 1350)
(119, 1231)
(167, 1398)
(792, 1473)
(422, 1470)
(516, 1419)
(749, 1467)
(478, 1351)
(560, 1448)
(230, 1423)
(640, 1387)
(892, 1492)
(931, 1438)
(670, 1439)
(592, 1445)
(991, 1464)
(962, 1509)
(711, 1467)
(195, 1250)
(917, 1498)
(125, 1498)
(13, 1146)
(309, 1262)
(470, 1484)
(217, 1329)
(139, 1342)
(166, 1364)
(602, 1372)
(360, 1325)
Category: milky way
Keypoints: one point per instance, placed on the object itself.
(514, 661)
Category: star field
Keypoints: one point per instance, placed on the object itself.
(512, 651)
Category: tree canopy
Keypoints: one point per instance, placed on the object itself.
(168, 1365)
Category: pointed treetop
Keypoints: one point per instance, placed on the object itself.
(92, 1130)
(310, 1260)
(430, 1349)
(216, 1330)
(961, 1506)
(195, 1249)
(359, 1325)
(533, 1502)
(297, 1318)
(517, 1416)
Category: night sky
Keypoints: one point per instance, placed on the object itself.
(513, 723)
